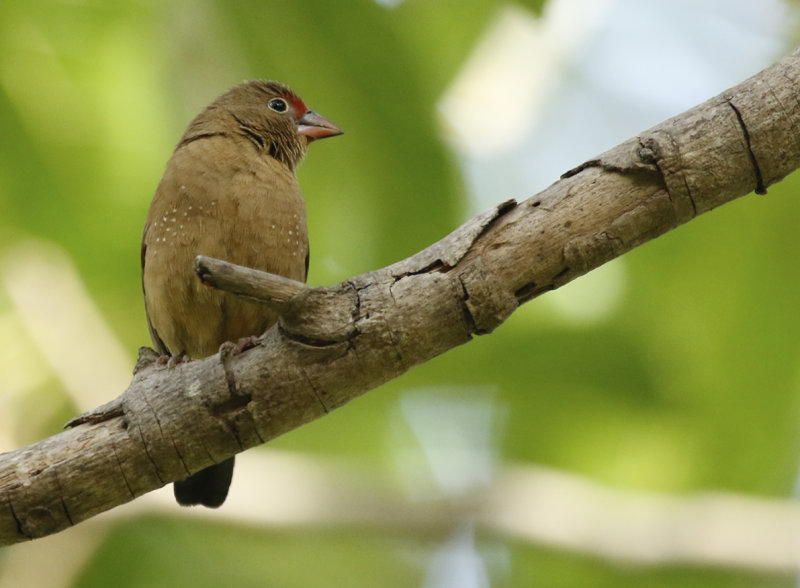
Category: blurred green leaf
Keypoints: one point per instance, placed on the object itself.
(160, 552)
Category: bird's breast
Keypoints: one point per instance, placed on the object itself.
(238, 208)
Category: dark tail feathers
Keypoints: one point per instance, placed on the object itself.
(208, 487)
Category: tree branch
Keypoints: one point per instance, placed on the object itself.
(279, 293)
(333, 344)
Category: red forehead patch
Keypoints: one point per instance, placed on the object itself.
(298, 105)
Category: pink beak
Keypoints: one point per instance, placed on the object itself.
(314, 126)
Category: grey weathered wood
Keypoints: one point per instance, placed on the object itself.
(333, 344)
(275, 291)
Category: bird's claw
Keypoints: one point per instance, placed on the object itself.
(230, 348)
(172, 360)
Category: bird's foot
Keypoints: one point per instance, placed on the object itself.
(246, 343)
(243, 344)
(172, 360)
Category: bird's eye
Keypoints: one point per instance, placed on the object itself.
(278, 105)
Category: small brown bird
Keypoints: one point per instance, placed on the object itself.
(229, 191)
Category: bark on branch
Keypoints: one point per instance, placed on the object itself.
(336, 343)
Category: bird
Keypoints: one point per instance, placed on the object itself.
(229, 191)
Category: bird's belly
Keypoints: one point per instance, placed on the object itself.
(192, 318)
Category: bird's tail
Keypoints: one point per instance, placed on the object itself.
(208, 487)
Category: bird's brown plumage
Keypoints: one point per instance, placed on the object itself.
(229, 191)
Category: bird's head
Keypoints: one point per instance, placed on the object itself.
(273, 118)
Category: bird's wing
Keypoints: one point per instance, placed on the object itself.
(157, 342)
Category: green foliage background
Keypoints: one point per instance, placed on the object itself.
(692, 384)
